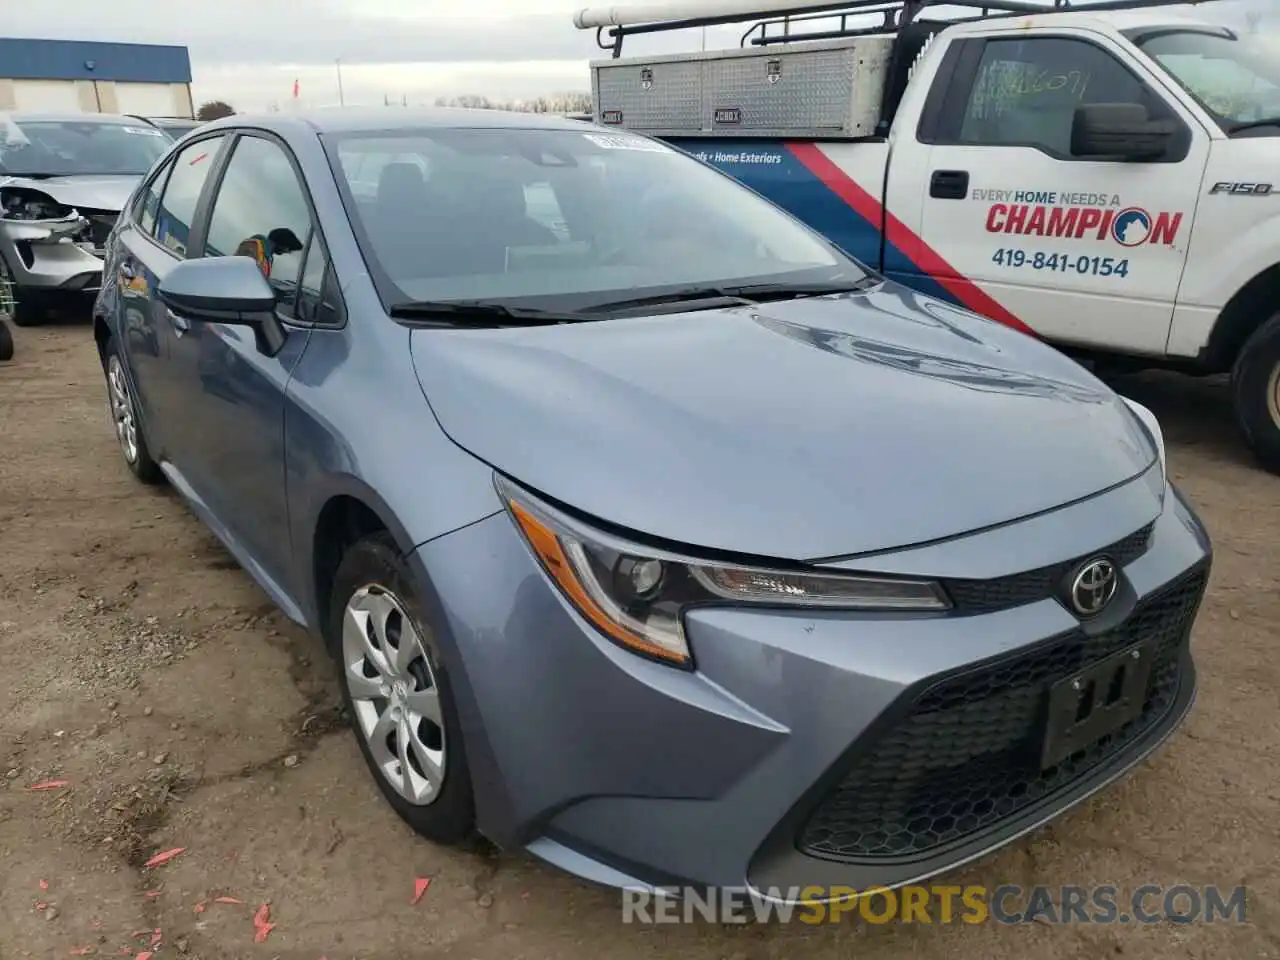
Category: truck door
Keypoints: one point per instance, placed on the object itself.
(1083, 251)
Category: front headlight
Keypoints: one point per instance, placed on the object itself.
(1152, 426)
(637, 596)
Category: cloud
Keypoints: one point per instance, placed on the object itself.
(250, 51)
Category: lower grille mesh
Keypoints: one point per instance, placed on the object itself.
(967, 755)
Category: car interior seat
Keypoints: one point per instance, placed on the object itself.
(400, 211)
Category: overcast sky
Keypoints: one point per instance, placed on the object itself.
(249, 52)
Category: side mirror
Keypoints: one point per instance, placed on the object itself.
(224, 290)
(1119, 131)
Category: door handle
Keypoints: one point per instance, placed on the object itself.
(949, 184)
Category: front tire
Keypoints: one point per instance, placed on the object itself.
(124, 417)
(26, 313)
(398, 694)
(6, 342)
(1255, 393)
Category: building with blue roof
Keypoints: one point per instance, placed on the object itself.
(86, 76)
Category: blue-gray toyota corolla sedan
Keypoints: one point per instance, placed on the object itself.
(651, 533)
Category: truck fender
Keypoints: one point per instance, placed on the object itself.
(1218, 267)
(1253, 304)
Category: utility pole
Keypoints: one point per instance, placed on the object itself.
(337, 63)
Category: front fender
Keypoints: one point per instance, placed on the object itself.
(1235, 236)
(357, 425)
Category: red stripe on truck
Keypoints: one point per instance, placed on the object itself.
(926, 259)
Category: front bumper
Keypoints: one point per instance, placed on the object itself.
(56, 256)
(809, 748)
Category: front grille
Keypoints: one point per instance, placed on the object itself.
(967, 754)
(1030, 586)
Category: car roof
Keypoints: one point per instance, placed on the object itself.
(32, 116)
(368, 119)
(1082, 18)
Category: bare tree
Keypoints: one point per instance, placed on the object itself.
(1253, 19)
(576, 102)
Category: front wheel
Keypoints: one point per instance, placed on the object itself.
(28, 313)
(1255, 393)
(397, 692)
(6, 342)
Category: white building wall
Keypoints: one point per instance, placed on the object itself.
(47, 96)
(152, 99)
(102, 96)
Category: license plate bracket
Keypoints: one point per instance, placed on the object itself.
(1095, 701)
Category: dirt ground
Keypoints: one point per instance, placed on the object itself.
(141, 666)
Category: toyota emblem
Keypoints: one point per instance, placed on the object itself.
(1093, 586)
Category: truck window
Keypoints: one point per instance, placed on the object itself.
(1025, 92)
(1236, 78)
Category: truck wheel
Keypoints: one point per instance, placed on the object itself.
(1255, 388)
(6, 342)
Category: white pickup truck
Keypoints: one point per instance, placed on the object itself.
(1106, 177)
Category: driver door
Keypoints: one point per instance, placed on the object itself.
(1083, 251)
(234, 403)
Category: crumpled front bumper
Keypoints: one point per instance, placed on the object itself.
(63, 254)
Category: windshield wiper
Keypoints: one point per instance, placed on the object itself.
(710, 297)
(1253, 124)
(480, 313)
(715, 297)
(776, 291)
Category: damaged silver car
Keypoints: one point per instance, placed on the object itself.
(63, 181)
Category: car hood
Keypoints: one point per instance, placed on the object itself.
(88, 192)
(803, 430)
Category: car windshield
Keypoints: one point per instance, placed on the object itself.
(562, 219)
(56, 148)
(1237, 78)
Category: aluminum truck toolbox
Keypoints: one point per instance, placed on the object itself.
(817, 89)
(672, 98)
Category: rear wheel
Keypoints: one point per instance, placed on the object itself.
(1255, 393)
(397, 692)
(124, 417)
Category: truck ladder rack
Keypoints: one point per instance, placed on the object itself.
(621, 22)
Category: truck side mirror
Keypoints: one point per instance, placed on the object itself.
(1119, 131)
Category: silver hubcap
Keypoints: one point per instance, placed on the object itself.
(1273, 395)
(394, 694)
(122, 410)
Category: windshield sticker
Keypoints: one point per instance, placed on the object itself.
(1077, 216)
(613, 141)
(144, 131)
